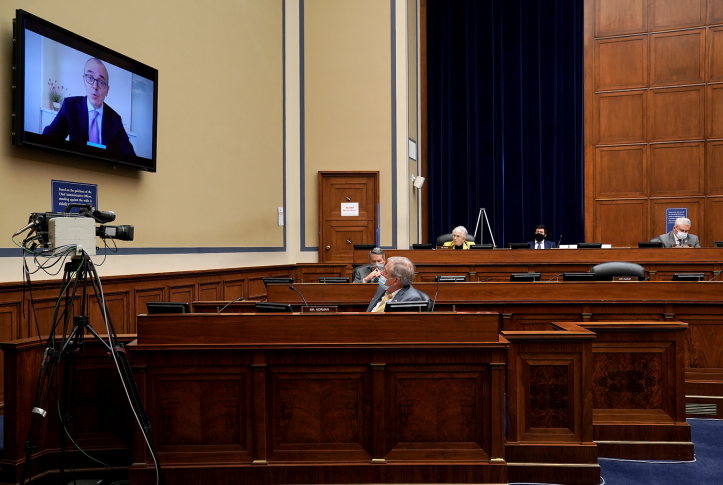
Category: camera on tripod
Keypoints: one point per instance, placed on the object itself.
(54, 230)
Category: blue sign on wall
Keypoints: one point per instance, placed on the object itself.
(671, 214)
(64, 193)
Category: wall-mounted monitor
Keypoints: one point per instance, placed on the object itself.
(74, 95)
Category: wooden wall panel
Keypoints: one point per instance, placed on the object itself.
(696, 211)
(714, 167)
(621, 63)
(233, 289)
(677, 169)
(616, 17)
(676, 113)
(610, 216)
(621, 171)
(183, 293)
(621, 117)
(715, 12)
(681, 78)
(677, 58)
(715, 54)
(210, 291)
(713, 220)
(676, 14)
(118, 311)
(715, 111)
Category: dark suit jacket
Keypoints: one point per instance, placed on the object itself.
(72, 120)
(668, 240)
(361, 272)
(407, 293)
(546, 244)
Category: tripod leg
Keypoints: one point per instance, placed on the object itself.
(68, 397)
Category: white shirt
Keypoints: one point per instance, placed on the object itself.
(99, 119)
(393, 293)
(541, 243)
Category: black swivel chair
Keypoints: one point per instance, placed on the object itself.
(448, 237)
(606, 271)
(425, 297)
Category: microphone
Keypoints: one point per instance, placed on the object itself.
(554, 277)
(439, 277)
(22, 230)
(302, 296)
(558, 242)
(716, 275)
(237, 299)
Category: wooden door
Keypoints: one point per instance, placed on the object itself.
(340, 230)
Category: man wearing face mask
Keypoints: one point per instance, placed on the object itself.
(679, 237)
(372, 272)
(540, 242)
(399, 273)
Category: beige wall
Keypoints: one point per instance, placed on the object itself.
(220, 171)
(348, 105)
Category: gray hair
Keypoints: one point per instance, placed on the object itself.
(402, 268)
(376, 251)
(682, 220)
(462, 230)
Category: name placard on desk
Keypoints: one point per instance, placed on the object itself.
(318, 309)
(625, 278)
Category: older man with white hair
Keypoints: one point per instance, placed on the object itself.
(399, 274)
(679, 237)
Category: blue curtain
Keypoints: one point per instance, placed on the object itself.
(505, 117)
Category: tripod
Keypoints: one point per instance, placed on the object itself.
(77, 273)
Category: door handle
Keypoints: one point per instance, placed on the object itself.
(348, 241)
(328, 248)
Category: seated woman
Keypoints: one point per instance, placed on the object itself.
(459, 238)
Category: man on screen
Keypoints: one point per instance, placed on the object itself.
(87, 119)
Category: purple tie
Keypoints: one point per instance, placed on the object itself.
(93, 131)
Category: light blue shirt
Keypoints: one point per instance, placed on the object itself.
(99, 119)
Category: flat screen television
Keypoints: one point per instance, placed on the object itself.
(73, 95)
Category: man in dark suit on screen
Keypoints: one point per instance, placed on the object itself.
(87, 118)
(399, 273)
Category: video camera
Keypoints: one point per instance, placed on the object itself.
(52, 230)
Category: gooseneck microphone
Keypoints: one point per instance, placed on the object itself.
(227, 304)
(558, 242)
(439, 277)
(554, 277)
(302, 296)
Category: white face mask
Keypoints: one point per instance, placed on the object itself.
(382, 281)
(681, 235)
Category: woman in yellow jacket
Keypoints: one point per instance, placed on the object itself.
(459, 238)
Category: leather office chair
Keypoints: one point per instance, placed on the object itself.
(606, 271)
(655, 239)
(448, 237)
(425, 297)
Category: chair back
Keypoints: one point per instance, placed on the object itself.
(606, 271)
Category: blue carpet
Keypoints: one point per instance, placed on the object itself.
(707, 469)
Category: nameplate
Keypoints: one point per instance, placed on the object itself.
(445, 247)
(318, 309)
(625, 278)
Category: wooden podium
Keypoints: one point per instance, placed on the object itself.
(331, 398)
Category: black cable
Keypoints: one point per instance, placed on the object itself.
(434, 302)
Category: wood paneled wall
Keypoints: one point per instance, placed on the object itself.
(653, 117)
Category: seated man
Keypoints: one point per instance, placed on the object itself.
(399, 273)
(540, 242)
(679, 236)
(459, 238)
(372, 272)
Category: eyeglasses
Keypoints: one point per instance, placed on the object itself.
(90, 80)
